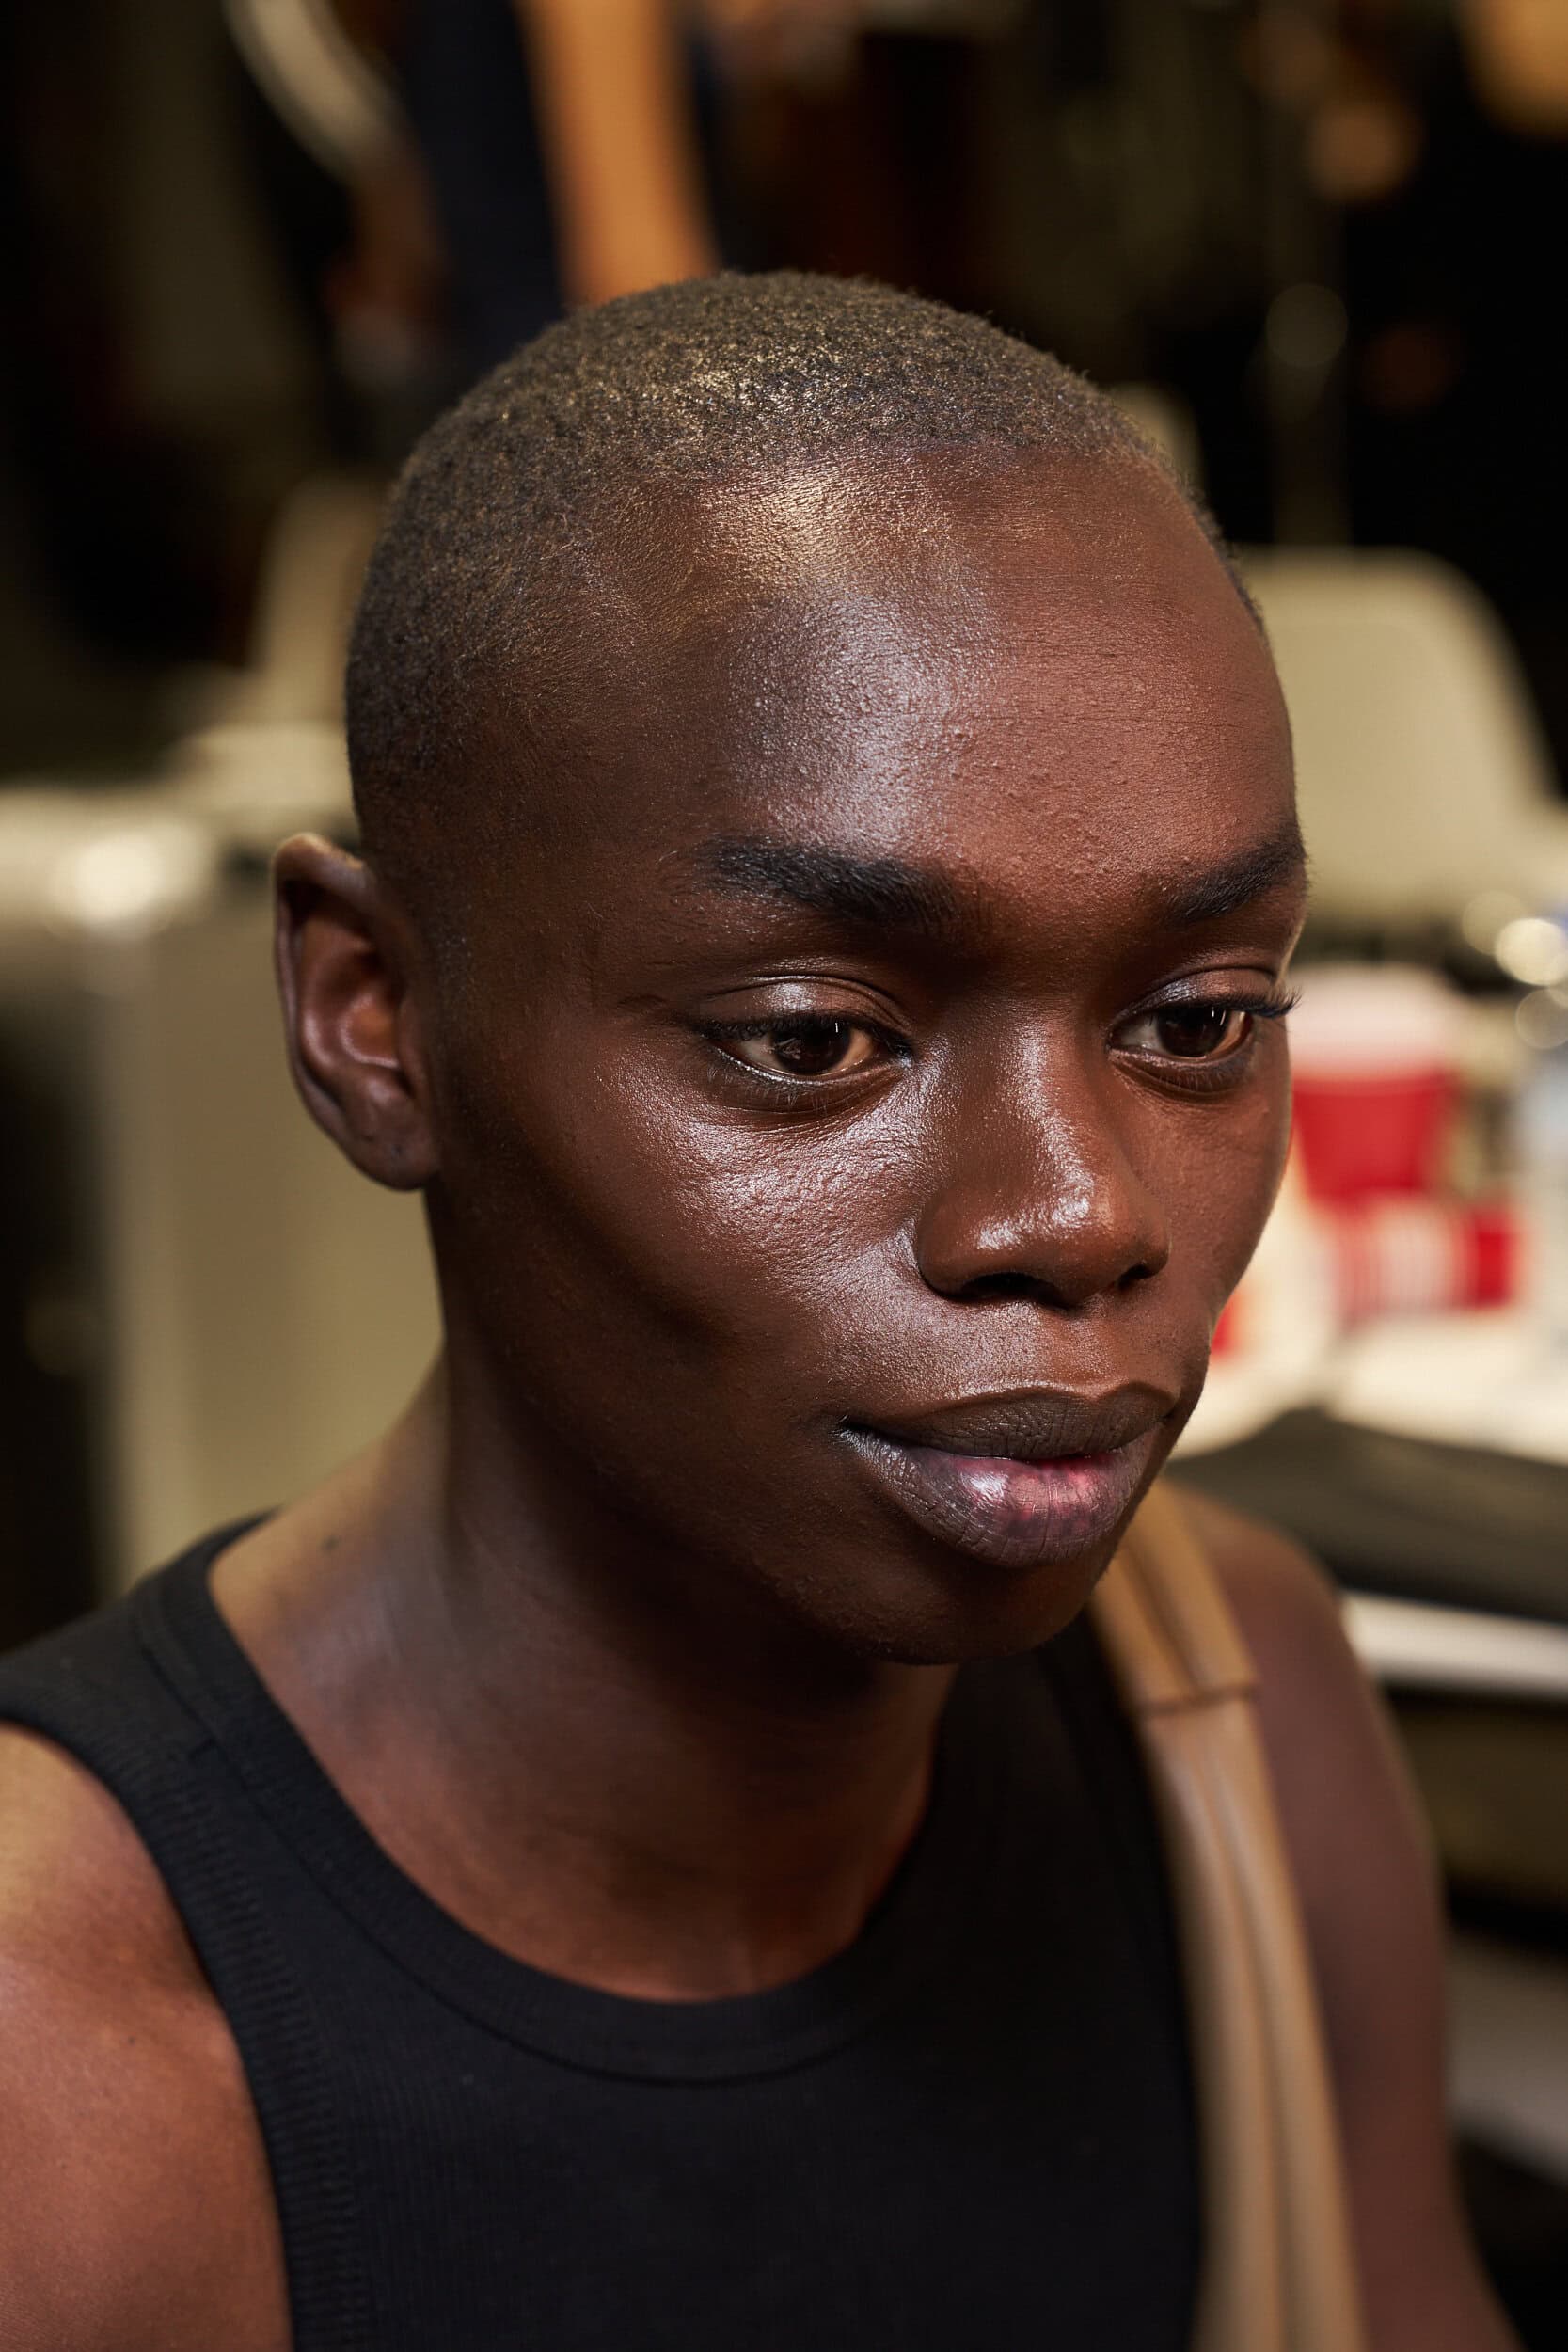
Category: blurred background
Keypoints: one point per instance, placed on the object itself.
(1317, 249)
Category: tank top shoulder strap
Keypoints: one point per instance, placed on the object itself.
(1279, 2271)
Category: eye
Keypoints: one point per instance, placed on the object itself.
(1202, 1032)
(803, 1046)
(1193, 1032)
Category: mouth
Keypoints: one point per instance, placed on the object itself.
(1018, 1482)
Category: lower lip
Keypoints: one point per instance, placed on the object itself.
(1015, 1515)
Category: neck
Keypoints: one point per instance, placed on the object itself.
(620, 1769)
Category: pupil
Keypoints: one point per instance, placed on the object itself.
(807, 1053)
(1198, 1032)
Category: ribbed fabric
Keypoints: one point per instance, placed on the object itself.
(974, 2129)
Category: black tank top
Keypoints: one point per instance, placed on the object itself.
(971, 2132)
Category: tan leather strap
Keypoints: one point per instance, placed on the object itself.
(1278, 2272)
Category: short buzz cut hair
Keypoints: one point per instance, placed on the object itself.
(500, 515)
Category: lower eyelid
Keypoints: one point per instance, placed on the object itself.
(1197, 1077)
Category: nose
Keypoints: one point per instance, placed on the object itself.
(1035, 1196)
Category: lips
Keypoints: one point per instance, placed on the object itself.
(1019, 1482)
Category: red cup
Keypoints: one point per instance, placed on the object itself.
(1373, 1049)
(1388, 1133)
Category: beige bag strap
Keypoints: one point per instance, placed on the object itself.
(1278, 2272)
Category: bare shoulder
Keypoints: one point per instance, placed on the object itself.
(136, 2209)
(1280, 1594)
(1371, 1907)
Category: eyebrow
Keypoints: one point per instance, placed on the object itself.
(1225, 889)
(881, 890)
(893, 895)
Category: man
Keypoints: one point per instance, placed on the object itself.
(649, 1856)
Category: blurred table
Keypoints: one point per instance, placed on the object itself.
(1424, 1461)
(1468, 1527)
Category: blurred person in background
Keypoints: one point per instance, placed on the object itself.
(558, 152)
(1456, 332)
(182, 350)
(201, 313)
(653, 1853)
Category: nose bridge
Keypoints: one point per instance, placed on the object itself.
(1033, 1186)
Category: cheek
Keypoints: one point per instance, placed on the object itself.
(1222, 1175)
(607, 1237)
(596, 1218)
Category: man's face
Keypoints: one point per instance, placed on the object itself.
(855, 1104)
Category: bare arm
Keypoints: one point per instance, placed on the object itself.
(1371, 1906)
(620, 144)
(135, 2210)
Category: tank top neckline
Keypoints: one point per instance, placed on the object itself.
(912, 1929)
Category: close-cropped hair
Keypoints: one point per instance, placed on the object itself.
(519, 502)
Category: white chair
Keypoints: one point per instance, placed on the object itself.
(239, 1309)
(1424, 779)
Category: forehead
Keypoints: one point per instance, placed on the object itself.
(956, 663)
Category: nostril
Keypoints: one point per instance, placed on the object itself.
(1137, 1274)
(1032, 1288)
(1005, 1286)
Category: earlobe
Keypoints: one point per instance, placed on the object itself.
(349, 1020)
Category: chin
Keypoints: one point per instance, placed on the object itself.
(951, 1614)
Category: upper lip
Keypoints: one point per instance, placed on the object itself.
(1043, 1425)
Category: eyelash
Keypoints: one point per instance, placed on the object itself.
(1270, 1007)
(1200, 1076)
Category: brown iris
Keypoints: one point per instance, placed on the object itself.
(1201, 1032)
(818, 1048)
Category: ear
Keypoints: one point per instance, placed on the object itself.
(352, 1028)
